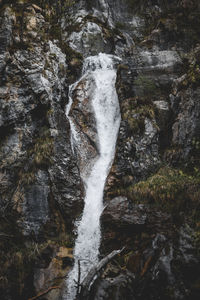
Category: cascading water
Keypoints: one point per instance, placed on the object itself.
(107, 114)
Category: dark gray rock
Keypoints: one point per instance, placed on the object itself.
(34, 130)
(35, 205)
(64, 174)
(121, 213)
(114, 288)
(39, 174)
(83, 119)
(6, 26)
(186, 127)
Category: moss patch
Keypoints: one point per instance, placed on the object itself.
(135, 110)
(192, 69)
(20, 255)
(42, 149)
(146, 85)
(170, 189)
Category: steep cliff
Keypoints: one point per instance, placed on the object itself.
(40, 185)
(152, 194)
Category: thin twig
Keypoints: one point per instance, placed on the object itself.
(45, 292)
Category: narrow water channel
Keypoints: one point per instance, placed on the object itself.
(107, 114)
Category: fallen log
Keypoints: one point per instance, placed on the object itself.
(94, 273)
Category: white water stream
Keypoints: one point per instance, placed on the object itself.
(107, 113)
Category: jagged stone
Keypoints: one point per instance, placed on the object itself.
(122, 214)
(40, 186)
(83, 118)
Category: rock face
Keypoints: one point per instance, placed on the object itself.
(123, 214)
(152, 192)
(40, 188)
(82, 116)
(35, 144)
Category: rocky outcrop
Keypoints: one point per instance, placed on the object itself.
(152, 192)
(158, 257)
(33, 123)
(118, 214)
(81, 114)
(157, 86)
(40, 189)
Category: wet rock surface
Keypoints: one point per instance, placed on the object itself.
(154, 80)
(153, 213)
(34, 129)
(41, 190)
(83, 117)
(156, 261)
(123, 214)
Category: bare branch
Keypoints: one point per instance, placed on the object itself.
(95, 272)
(45, 292)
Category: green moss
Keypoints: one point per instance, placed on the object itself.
(195, 152)
(193, 75)
(72, 27)
(42, 150)
(17, 265)
(26, 178)
(19, 255)
(136, 125)
(55, 32)
(135, 111)
(196, 143)
(120, 25)
(70, 53)
(146, 85)
(170, 189)
(192, 68)
(39, 155)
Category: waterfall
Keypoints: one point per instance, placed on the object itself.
(105, 105)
